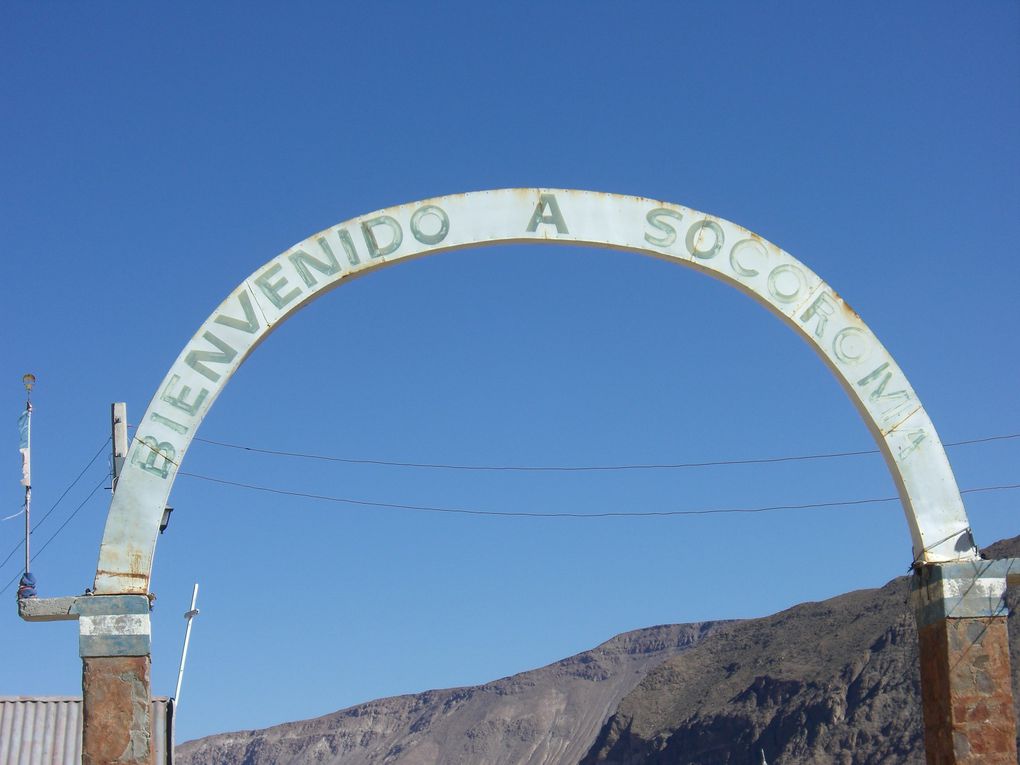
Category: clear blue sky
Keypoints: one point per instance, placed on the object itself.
(152, 157)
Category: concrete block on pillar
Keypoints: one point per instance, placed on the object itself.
(113, 625)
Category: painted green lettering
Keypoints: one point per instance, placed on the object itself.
(656, 220)
(272, 289)
(249, 324)
(175, 426)
(776, 289)
(225, 355)
(694, 239)
(348, 244)
(444, 224)
(822, 307)
(153, 456)
(895, 399)
(374, 250)
(302, 260)
(181, 401)
(851, 345)
(740, 268)
(914, 439)
(553, 217)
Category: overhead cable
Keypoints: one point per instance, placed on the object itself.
(53, 536)
(526, 514)
(578, 468)
(60, 499)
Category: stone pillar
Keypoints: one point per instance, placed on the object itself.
(966, 684)
(114, 643)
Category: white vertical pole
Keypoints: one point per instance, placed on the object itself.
(191, 614)
(28, 516)
(26, 467)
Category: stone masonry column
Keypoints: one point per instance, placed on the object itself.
(966, 683)
(114, 643)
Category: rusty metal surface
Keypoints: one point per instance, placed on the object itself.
(47, 730)
(913, 452)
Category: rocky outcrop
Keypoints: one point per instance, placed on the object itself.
(830, 682)
(821, 682)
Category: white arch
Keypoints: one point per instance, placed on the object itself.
(931, 500)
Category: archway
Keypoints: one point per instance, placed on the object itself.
(935, 514)
(958, 598)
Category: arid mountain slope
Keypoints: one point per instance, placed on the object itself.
(549, 715)
(829, 682)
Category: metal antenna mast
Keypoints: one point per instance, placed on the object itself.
(189, 615)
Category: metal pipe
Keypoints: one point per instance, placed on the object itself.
(28, 527)
(26, 467)
(191, 614)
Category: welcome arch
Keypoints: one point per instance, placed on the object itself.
(939, 527)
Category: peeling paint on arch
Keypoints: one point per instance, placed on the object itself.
(916, 458)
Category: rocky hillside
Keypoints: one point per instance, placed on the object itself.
(829, 682)
(548, 715)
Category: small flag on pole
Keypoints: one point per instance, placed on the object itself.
(25, 446)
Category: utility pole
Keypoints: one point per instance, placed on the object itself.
(25, 426)
(118, 416)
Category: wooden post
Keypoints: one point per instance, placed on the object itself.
(118, 417)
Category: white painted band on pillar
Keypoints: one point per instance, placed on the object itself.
(115, 624)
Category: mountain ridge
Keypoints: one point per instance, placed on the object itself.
(834, 681)
(550, 714)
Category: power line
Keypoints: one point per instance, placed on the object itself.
(613, 514)
(60, 499)
(71, 516)
(513, 514)
(578, 468)
(61, 528)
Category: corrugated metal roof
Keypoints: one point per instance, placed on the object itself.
(46, 730)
